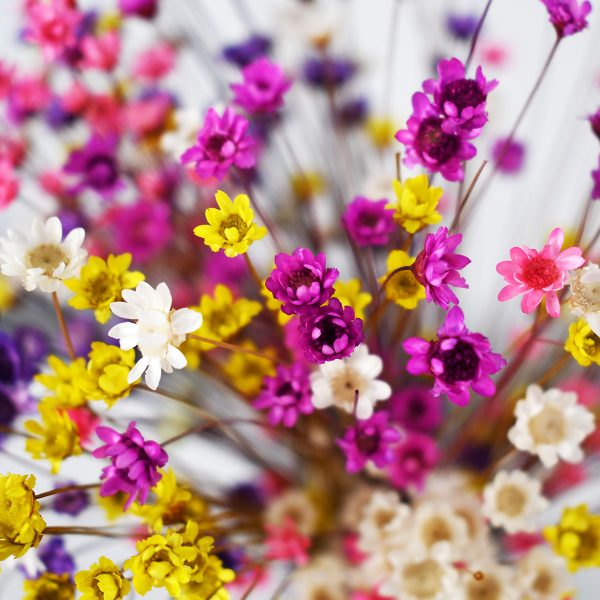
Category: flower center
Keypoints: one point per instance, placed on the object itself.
(235, 222)
(435, 530)
(383, 517)
(434, 142)
(101, 172)
(585, 295)
(543, 583)
(511, 500)
(301, 277)
(423, 579)
(540, 272)
(368, 442)
(100, 288)
(548, 426)
(214, 144)
(47, 257)
(402, 285)
(487, 588)
(344, 384)
(369, 219)
(463, 93)
(460, 364)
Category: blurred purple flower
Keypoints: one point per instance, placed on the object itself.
(596, 180)
(567, 16)
(413, 459)
(328, 72)
(248, 51)
(71, 502)
(461, 26)
(55, 557)
(508, 155)
(416, 409)
(369, 222)
(146, 9)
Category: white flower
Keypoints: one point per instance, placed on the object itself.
(496, 583)
(552, 425)
(513, 500)
(324, 578)
(157, 330)
(335, 382)
(41, 258)
(585, 299)
(296, 505)
(175, 142)
(542, 575)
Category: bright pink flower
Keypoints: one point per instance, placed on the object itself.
(352, 552)
(155, 63)
(75, 99)
(414, 458)
(103, 114)
(86, 422)
(565, 477)
(146, 115)
(28, 95)
(12, 149)
(6, 77)
(53, 182)
(521, 543)
(101, 52)
(537, 274)
(285, 542)
(9, 184)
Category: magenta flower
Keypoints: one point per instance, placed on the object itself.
(458, 360)
(596, 180)
(145, 9)
(287, 542)
(286, 396)
(508, 155)
(330, 332)
(135, 463)
(537, 274)
(460, 100)
(223, 142)
(416, 409)
(436, 267)
(594, 120)
(371, 439)
(263, 88)
(301, 281)
(9, 184)
(413, 459)
(568, 16)
(427, 143)
(369, 222)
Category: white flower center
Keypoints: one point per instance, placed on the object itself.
(436, 529)
(543, 583)
(343, 386)
(488, 588)
(548, 426)
(47, 257)
(511, 500)
(422, 579)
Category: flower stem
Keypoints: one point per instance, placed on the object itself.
(228, 346)
(67, 488)
(476, 35)
(63, 326)
(462, 203)
(253, 272)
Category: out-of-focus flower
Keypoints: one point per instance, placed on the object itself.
(49, 585)
(247, 371)
(155, 63)
(145, 9)
(351, 113)
(542, 574)
(583, 343)
(461, 26)
(212, 584)
(248, 51)
(368, 222)
(381, 130)
(349, 293)
(596, 180)
(414, 457)
(102, 581)
(71, 502)
(101, 51)
(285, 542)
(64, 381)
(328, 72)
(416, 203)
(568, 16)
(41, 258)
(27, 96)
(508, 155)
(585, 295)
(458, 360)
(182, 134)
(416, 409)
(337, 382)
(297, 506)
(401, 286)
(55, 557)
(9, 184)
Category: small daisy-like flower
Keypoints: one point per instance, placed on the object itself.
(497, 583)
(215, 577)
(42, 258)
(542, 575)
(297, 506)
(568, 16)
(552, 425)
(539, 274)
(350, 293)
(64, 381)
(416, 203)
(157, 330)
(402, 287)
(513, 500)
(368, 222)
(584, 302)
(583, 343)
(101, 581)
(49, 585)
(230, 227)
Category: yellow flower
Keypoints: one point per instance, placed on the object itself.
(203, 546)
(59, 436)
(248, 371)
(583, 343)
(381, 131)
(230, 227)
(416, 203)
(64, 381)
(576, 537)
(274, 305)
(306, 185)
(402, 288)
(101, 282)
(349, 293)
(102, 581)
(21, 525)
(114, 506)
(49, 585)
(7, 294)
(215, 577)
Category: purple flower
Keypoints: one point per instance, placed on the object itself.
(413, 459)
(33, 347)
(301, 281)
(263, 89)
(596, 180)
(567, 16)
(508, 155)
(139, 8)
(96, 165)
(55, 557)
(327, 72)
(248, 51)
(436, 267)
(352, 113)
(462, 26)
(369, 440)
(369, 222)
(461, 101)
(458, 360)
(72, 502)
(286, 396)
(135, 463)
(10, 360)
(427, 143)
(330, 332)
(416, 409)
(222, 143)
(8, 407)
(595, 122)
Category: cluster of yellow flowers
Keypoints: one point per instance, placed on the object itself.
(583, 343)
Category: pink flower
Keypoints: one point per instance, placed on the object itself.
(414, 457)
(154, 63)
(75, 99)
(6, 77)
(537, 274)
(9, 184)
(101, 52)
(285, 542)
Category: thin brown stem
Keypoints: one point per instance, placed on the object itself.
(67, 488)
(63, 326)
(476, 35)
(461, 206)
(233, 347)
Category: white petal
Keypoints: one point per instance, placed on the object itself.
(74, 240)
(176, 357)
(153, 374)
(53, 230)
(162, 289)
(123, 330)
(125, 310)
(379, 390)
(138, 369)
(185, 320)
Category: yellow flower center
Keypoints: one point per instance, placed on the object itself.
(235, 222)
(101, 288)
(548, 426)
(436, 530)
(511, 500)
(47, 257)
(402, 285)
(543, 583)
(423, 579)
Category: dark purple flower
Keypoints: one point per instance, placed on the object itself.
(436, 267)
(428, 145)
(248, 51)
(222, 143)
(413, 459)
(139, 8)
(460, 100)
(55, 557)
(135, 463)
(33, 348)
(72, 502)
(459, 360)
(596, 180)
(8, 408)
(301, 281)
(96, 166)
(330, 332)
(595, 122)
(245, 496)
(328, 72)
(10, 360)
(461, 26)
(369, 222)
(508, 155)
(372, 440)
(56, 115)
(568, 16)
(352, 113)
(416, 409)
(286, 396)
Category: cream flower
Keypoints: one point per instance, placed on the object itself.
(513, 500)
(542, 575)
(324, 578)
(552, 425)
(296, 505)
(335, 382)
(41, 258)
(497, 583)
(176, 141)
(157, 330)
(585, 295)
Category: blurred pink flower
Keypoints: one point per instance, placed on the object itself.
(155, 63)
(101, 52)
(9, 184)
(285, 542)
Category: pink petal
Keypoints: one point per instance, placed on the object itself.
(531, 300)
(552, 304)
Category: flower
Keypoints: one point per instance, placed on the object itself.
(416, 203)
(337, 383)
(508, 155)
(413, 459)
(513, 500)
(293, 505)
(64, 381)
(263, 88)
(157, 330)
(436, 267)
(349, 293)
(368, 222)
(381, 131)
(461, 26)
(55, 557)
(146, 9)
(458, 360)
(231, 227)
(401, 286)
(247, 371)
(301, 281)
(102, 581)
(49, 585)
(71, 502)
(567, 16)
(135, 463)
(576, 537)
(101, 282)
(59, 436)
(286, 396)
(552, 425)
(155, 63)
(41, 258)
(497, 582)
(9, 184)
(101, 51)
(248, 51)
(596, 180)
(583, 343)
(285, 542)
(585, 295)
(417, 409)
(178, 139)
(212, 585)
(369, 440)
(539, 274)
(222, 142)
(542, 574)
(328, 72)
